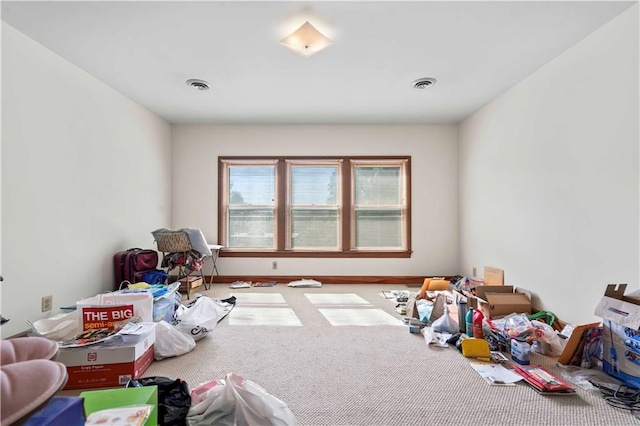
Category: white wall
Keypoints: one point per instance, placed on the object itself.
(434, 193)
(85, 173)
(549, 181)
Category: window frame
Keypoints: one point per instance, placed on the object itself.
(346, 209)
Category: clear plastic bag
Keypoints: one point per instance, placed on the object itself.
(583, 377)
(519, 326)
(549, 343)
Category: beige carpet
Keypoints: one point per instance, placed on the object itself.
(364, 375)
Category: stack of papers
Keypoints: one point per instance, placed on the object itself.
(305, 283)
(240, 284)
(496, 374)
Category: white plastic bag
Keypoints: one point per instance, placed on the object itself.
(445, 324)
(237, 401)
(199, 317)
(171, 342)
(434, 338)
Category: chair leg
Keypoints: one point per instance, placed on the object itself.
(207, 286)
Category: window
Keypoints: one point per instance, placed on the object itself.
(314, 207)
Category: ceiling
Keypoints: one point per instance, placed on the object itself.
(147, 50)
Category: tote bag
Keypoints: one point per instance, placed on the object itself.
(104, 310)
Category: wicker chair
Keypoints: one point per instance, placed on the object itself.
(178, 253)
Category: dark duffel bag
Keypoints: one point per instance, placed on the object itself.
(131, 265)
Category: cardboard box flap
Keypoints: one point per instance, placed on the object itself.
(618, 311)
(615, 293)
(573, 342)
(493, 276)
(482, 290)
(507, 299)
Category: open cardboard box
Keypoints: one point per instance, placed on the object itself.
(620, 334)
(500, 300)
(573, 342)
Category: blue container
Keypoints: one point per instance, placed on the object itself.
(164, 309)
(59, 411)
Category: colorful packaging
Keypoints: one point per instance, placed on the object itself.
(520, 352)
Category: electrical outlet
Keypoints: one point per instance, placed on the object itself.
(274, 265)
(47, 303)
(475, 271)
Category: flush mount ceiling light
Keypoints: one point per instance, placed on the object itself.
(423, 83)
(198, 84)
(306, 40)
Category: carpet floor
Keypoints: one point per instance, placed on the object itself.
(340, 355)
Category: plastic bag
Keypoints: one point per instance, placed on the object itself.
(519, 326)
(434, 338)
(237, 401)
(445, 324)
(171, 342)
(174, 399)
(199, 317)
(424, 308)
(549, 342)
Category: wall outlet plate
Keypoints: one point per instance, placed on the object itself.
(47, 303)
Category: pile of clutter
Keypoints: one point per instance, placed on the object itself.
(113, 337)
(496, 319)
(428, 312)
(110, 340)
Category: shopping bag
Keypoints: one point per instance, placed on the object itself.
(104, 310)
(240, 402)
(199, 317)
(113, 398)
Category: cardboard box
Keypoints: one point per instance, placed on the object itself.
(107, 366)
(500, 300)
(620, 335)
(188, 283)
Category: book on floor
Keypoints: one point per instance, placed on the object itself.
(543, 381)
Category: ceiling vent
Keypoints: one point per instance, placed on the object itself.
(423, 83)
(197, 84)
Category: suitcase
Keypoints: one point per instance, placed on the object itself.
(131, 265)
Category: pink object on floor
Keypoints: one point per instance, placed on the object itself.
(26, 386)
(26, 349)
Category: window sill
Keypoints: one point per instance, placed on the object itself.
(317, 254)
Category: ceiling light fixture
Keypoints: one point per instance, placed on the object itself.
(198, 84)
(423, 83)
(306, 40)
